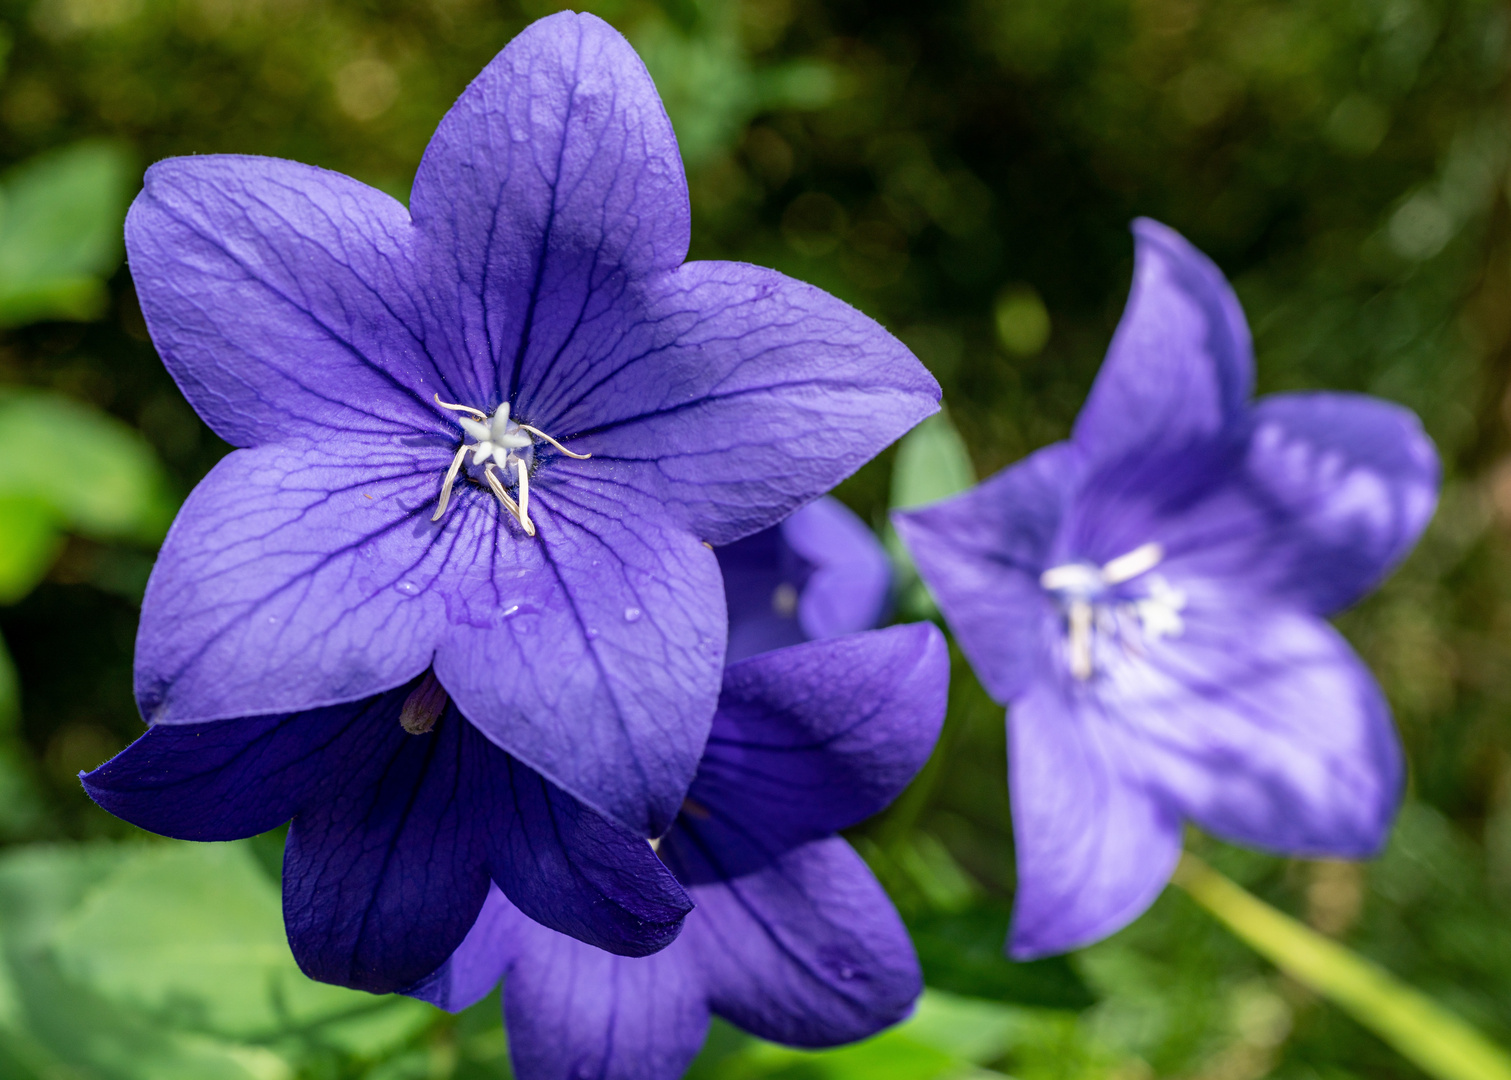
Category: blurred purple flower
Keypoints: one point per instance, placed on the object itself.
(402, 813)
(490, 433)
(819, 574)
(792, 938)
(1149, 597)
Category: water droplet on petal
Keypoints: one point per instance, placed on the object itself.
(408, 588)
(846, 972)
(591, 634)
(631, 614)
(512, 609)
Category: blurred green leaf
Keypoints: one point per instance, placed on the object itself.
(98, 477)
(932, 464)
(962, 952)
(193, 933)
(61, 216)
(29, 542)
(1424, 1031)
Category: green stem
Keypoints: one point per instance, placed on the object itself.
(1421, 1029)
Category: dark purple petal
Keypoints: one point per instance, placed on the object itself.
(1094, 847)
(574, 1011)
(806, 951)
(735, 395)
(981, 554)
(1356, 479)
(763, 582)
(1263, 727)
(230, 779)
(570, 869)
(282, 300)
(852, 577)
(814, 738)
(298, 578)
(819, 574)
(1181, 366)
(480, 961)
(385, 875)
(548, 190)
(597, 664)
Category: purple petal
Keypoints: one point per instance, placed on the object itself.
(806, 951)
(574, 1011)
(1181, 366)
(298, 578)
(821, 573)
(734, 395)
(480, 961)
(763, 582)
(383, 878)
(548, 190)
(230, 779)
(598, 664)
(814, 738)
(570, 869)
(1264, 728)
(1357, 479)
(981, 554)
(1094, 848)
(852, 577)
(282, 300)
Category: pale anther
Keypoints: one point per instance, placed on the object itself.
(1083, 591)
(499, 443)
(1126, 567)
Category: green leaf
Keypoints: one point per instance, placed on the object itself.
(193, 934)
(60, 233)
(99, 477)
(932, 464)
(961, 952)
(1431, 1036)
(29, 542)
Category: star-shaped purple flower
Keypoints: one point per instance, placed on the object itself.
(403, 813)
(820, 574)
(792, 938)
(492, 433)
(1149, 598)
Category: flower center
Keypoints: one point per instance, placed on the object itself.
(1095, 608)
(502, 445)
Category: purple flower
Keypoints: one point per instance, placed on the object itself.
(819, 574)
(402, 813)
(792, 939)
(1149, 597)
(492, 433)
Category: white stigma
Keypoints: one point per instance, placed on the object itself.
(1083, 591)
(501, 444)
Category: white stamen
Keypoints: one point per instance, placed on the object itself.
(1126, 567)
(1082, 590)
(459, 408)
(456, 466)
(499, 443)
(524, 496)
(1080, 638)
(553, 442)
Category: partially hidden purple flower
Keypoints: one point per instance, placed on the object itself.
(403, 814)
(792, 939)
(492, 434)
(1149, 598)
(819, 574)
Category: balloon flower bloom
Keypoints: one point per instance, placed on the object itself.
(1149, 599)
(792, 939)
(819, 574)
(484, 447)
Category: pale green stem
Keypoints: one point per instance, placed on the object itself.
(1421, 1029)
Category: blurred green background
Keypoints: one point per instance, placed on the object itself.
(965, 171)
